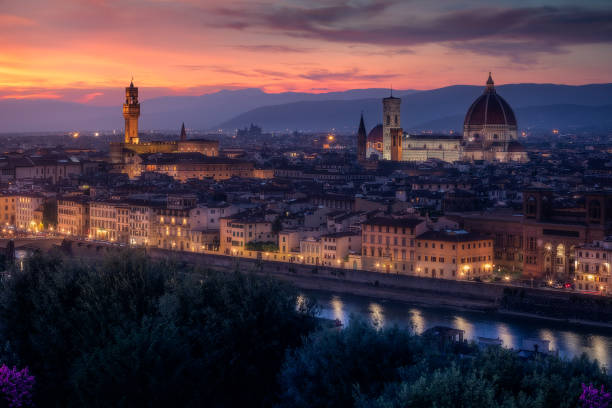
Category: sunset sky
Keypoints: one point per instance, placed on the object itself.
(87, 50)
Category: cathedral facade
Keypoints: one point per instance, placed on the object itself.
(490, 133)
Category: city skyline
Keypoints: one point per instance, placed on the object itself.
(85, 51)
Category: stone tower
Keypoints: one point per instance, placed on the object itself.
(396, 143)
(183, 133)
(361, 141)
(131, 112)
(391, 120)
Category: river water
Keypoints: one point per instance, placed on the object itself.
(567, 339)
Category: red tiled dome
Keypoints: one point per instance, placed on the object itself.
(376, 134)
(490, 109)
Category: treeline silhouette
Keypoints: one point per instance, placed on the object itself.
(133, 332)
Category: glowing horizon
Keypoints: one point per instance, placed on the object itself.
(86, 51)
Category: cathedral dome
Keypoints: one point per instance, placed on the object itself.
(376, 134)
(490, 109)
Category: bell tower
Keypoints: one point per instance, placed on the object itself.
(391, 120)
(131, 112)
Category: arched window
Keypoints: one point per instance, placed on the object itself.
(396, 119)
(388, 120)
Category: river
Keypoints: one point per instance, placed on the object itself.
(567, 339)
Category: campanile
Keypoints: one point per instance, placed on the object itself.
(131, 112)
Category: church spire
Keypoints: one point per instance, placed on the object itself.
(361, 140)
(361, 125)
(183, 133)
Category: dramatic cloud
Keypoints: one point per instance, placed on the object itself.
(544, 29)
(272, 48)
(87, 50)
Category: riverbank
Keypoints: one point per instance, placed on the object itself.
(574, 322)
(465, 295)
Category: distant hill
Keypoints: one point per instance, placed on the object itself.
(439, 109)
(541, 117)
(198, 112)
(541, 105)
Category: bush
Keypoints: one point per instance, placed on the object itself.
(132, 332)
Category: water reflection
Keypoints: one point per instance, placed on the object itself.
(300, 303)
(462, 324)
(376, 315)
(337, 307)
(503, 332)
(572, 344)
(568, 341)
(418, 322)
(601, 350)
(546, 334)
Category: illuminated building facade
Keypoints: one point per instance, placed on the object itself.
(388, 244)
(541, 242)
(241, 229)
(7, 210)
(73, 216)
(453, 255)
(593, 267)
(28, 208)
(103, 221)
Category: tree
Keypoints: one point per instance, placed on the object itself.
(133, 332)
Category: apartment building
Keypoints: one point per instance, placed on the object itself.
(388, 244)
(207, 217)
(237, 231)
(592, 269)
(453, 255)
(103, 221)
(311, 251)
(140, 221)
(73, 216)
(7, 209)
(28, 211)
(337, 246)
(170, 228)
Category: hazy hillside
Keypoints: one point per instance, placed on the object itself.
(541, 117)
(438, 109)
(198, 112)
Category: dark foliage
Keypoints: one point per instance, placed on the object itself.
(391, 368)
(131, 332)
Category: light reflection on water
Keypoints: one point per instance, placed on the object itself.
(568, 340)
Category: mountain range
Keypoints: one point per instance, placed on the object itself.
(536, 105)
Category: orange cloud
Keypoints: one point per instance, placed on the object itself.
(32, 96)
(88, 97)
